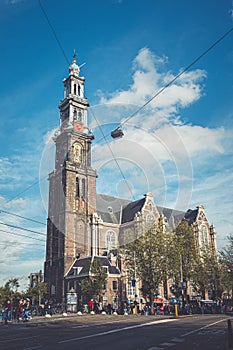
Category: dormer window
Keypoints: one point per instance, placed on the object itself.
(77, 270)
(110, 210)
(105, 269)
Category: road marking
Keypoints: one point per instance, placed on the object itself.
(96, 324)
(33, 347)
(117, 330)
(81, 326)
(212, 331)
(167, 344)
(156, 348)
(177, 340)
(22, 338)
(207, 326)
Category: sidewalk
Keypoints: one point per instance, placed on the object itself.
(62, 317)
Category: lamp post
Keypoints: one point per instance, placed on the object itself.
(182, 281)
(135, 284)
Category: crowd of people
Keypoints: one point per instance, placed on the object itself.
(23, 309)
(20, 312)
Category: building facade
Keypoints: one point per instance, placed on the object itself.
(84, 225)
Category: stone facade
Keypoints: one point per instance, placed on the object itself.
(85, 225)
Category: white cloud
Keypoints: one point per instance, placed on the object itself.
(14, 2)
(159, 152)
(148, 80)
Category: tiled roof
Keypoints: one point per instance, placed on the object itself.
(120, 211)
(117, 210)
(191, 216)
(131, 209)
(109, 208)
(84, 264)
(173, 216)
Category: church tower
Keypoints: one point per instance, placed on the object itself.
(72, 187)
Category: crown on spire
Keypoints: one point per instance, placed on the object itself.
(74, 68)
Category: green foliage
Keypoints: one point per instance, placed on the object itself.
(226, 266)
(145, 256)
(185, 247)
(38, 291)
(92, 287)
(10, 291)
(206, 276)
(158, 256)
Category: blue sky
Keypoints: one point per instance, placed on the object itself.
(179, 147)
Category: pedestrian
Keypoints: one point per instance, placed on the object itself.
(51, 307)
(26, 310)
(7, 311)
(90, 305)
(20, 312)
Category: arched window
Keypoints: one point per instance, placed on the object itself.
(75, 114)
(79, 115)
(110, 240)
(79, 90)
(150, 219)
(77, 188)
(204, 238)
(75, 89)
(83, 188)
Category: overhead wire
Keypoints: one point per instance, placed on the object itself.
(22, 228)
(22, 235)
(21, 243)
(53, 31)
(174, 79)
(101, 130)
(32, 231)
(122, 123)
(21, 217)
(25, 190)
(111, 151)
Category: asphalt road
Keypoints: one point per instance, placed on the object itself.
(95, 332)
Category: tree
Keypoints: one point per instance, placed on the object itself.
(12, 285)
(206, 276)
(226, 266)
(38, 291)
(148, 256)
(10, 291)
(185, 259)
(92, 287)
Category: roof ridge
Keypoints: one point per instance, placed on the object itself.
(114, 197)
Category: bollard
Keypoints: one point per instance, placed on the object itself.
(176, 310)
(229, 335)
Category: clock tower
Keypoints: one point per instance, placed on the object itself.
(72, 187)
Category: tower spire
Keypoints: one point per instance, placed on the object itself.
(74, 55)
